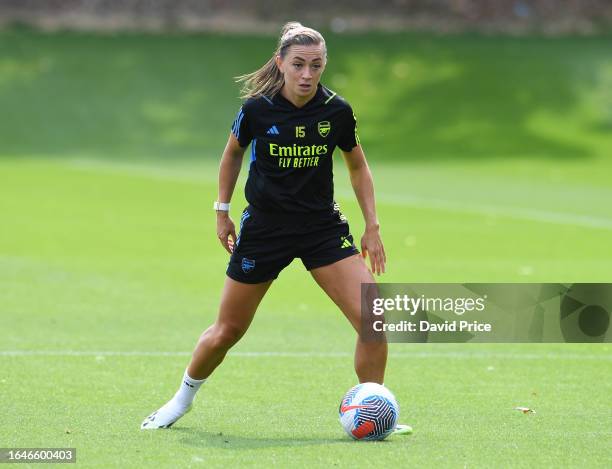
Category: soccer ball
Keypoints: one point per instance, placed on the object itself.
(369, 411)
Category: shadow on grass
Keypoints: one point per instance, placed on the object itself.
(473, 97)
(204, 439)
(416, 96)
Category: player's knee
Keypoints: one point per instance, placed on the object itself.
(353, 314)
(226, 335)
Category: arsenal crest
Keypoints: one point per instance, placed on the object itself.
(247, 265)
(324, 127)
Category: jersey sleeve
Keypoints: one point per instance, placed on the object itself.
(240, 128)
(348, 136)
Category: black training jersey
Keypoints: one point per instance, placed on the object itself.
(292, 148)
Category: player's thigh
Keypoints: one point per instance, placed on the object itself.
(342, 282)
(239, 302)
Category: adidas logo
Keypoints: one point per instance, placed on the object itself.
(273, 131)
(345, 243)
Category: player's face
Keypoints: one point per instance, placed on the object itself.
(302, 67)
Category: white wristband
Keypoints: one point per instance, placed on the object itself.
(221, 206)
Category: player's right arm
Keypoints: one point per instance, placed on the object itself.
(229, 169)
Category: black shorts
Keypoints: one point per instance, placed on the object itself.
(268, 242)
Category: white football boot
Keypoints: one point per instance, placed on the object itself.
(165, 416)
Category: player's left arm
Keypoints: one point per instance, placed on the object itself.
(363, 185)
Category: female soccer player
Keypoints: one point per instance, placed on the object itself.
(293, 124)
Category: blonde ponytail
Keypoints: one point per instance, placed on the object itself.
(268, 80)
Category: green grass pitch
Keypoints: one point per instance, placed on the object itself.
(492, 161)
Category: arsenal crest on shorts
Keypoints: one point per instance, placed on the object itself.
(247, 265)
(324, 127)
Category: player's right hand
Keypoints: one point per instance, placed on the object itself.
(226, 231)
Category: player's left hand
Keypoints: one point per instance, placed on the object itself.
(372, 245)
(226, 231)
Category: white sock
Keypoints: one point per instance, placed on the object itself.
(187, 391)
